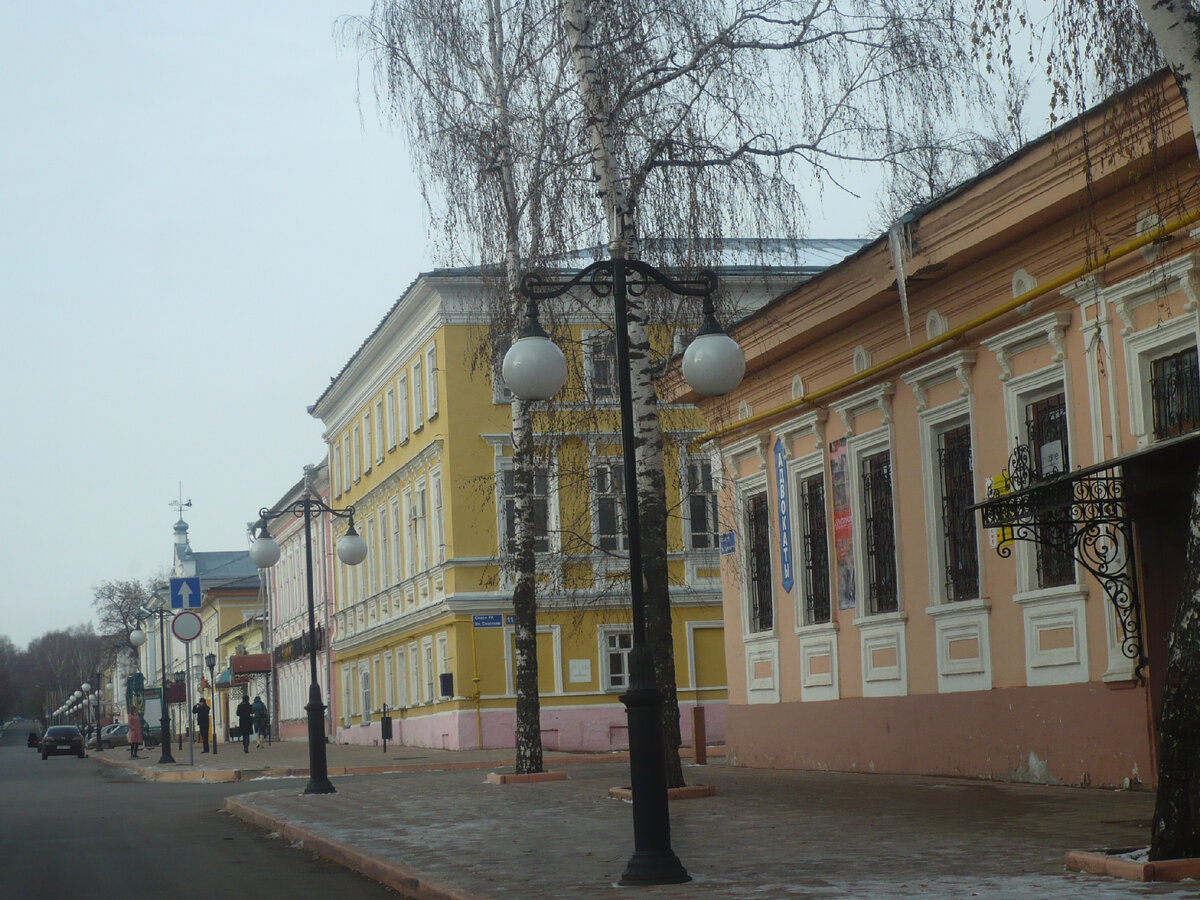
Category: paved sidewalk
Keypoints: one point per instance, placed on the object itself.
(437, 829)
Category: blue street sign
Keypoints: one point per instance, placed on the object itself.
(728, 543)
(488, 621)
(785, 518)
(185, 593)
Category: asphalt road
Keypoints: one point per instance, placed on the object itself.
(71, 827)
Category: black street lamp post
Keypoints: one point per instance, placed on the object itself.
(164, 722)
(210, 660)
(534, 370)
(351, 550)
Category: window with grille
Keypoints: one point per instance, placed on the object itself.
(758, 548)
(609, 488)
(815, 547)
(701, 506)
(959, 548)
(879, 533)
(1175, 394)
(541, 511)
(1046, 427)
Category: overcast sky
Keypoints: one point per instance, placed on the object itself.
(198, 226)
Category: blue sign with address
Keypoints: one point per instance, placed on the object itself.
(185, 593)
(728, 543)
(786, 569)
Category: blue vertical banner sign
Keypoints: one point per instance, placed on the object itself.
(786, 568)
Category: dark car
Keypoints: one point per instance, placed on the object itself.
(62, 739)
(32, 740)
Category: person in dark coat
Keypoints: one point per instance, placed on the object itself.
(201, 710)
(135, 733)
(260, 721)
(245, 715)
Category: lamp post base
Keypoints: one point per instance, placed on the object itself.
(653, 860)
(318, 768)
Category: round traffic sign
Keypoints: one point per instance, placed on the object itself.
(186, 626)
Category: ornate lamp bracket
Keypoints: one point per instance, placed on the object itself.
(1082, 512)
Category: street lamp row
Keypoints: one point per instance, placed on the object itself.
(351, 550)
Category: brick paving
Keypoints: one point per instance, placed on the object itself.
(435, 828)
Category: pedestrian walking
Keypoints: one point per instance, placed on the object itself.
(245, 715)
(135, 734)
(201, 710)
(260, 721)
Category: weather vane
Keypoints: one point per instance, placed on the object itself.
(180, 504)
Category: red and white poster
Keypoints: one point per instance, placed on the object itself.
(843, 524)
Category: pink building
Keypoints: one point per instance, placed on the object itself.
(875, 619)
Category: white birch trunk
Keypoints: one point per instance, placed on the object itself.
(1176, 29)
(622, 223)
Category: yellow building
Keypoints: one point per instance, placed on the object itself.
(419, 439)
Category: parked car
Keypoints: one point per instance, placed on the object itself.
(115, 735)
(62, 739)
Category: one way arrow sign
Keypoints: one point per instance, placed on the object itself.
(185, 593)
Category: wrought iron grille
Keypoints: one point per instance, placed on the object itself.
(1046, 425)
(958, 522)
(880, 533)
(816, 548)
(758, 529)
(1175, 394)
(1087, 511)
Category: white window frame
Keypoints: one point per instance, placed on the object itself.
(748, 487)
(438, 520)
(686, 463)
(357, 450)
(347, 462)
(1142, 350)
(799, 471)
(504, 465)
(410, 536)
(431, 385)
(414, 674)
(364, 680)
(380, 426)
(934, 423)
(401, 677)
(421, 507)
(384, 555)
(1019, 392)
(348, 692)
(858, 448)
(388, 697)
(402, 406)
(368, 450)
(335, 468)
(605, 633)
(443, 662)
(397, 539)
(428, 678)
(369, 539)
(391, 418)
(418, 396)
(590, 340)
(604, 466)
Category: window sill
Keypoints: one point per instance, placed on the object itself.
(881, 619)
(759, 637)
(1049, 595)
(953, 607)
(817, 628)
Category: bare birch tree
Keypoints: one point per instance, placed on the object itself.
(1094, 52)
(479, 87)
(702, 118)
